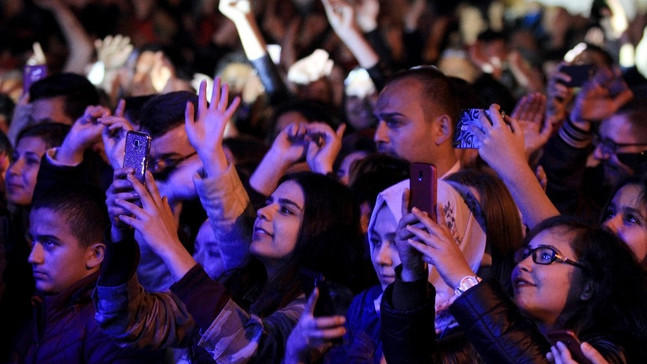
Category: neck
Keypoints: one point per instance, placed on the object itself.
(445, 164)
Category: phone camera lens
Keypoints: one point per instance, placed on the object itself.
(137, 144)
(420, 176)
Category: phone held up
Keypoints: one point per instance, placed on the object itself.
(568, 338)
(579, 74)
(423, 181)
(137, 150)
(311, 279)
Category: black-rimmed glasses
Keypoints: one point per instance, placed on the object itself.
(543, 255)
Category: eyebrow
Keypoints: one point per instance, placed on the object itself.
(41, 237)
(634, 210)
(289, 202)
(388, 114)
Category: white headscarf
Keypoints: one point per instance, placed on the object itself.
(467, 233)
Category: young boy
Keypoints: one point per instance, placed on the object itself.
(66, 233)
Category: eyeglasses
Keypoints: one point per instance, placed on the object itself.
(543, 255)
(608, 146)
(165, 165)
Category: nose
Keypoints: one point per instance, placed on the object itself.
(383, 256)
(36, 254)
(614, 223)
(14, 168)
(381, 135)
(525, 264)
(265, 212)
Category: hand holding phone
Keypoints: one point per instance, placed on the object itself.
(579, 74)
(310, 280)
(568, 338)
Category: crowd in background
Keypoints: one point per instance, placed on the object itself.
(274, 223)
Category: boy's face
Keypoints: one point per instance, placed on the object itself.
(58, 259)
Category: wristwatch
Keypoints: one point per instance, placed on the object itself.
(466, 283)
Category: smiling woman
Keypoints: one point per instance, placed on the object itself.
(568, 276)
(310, 221)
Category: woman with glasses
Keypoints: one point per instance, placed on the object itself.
(568, 276)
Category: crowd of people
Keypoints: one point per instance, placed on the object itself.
(273, 222)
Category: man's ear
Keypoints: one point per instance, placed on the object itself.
(444, 129)
(587, 291)
(94, 255)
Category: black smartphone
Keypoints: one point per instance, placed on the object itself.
(568, 338)
(137, 149)
(423, 181)
(311, 279)
(579, 74)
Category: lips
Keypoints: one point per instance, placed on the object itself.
(38, 275)
(521, 282)
(259, 231)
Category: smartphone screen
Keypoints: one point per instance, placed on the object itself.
(422, 186)
(569, 339)
(137, 149)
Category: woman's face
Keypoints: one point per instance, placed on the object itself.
(277, 224)
(384, 255)
(21, 174)
(548, 293)
(626, 216)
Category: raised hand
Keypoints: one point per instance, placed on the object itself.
(235, 10)
(341, 16)
(529, 113)
(288, 147)
(558, 96)
(114, 135)
(323, 147)
(156, 224)
(113, 51)
(367, 12)
(501, 143)
(601, 96)
(85, 132)
(120, 189)
(413, 267)
(438, 247)
(312, 334)
(207, 131)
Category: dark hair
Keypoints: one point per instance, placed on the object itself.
(374, 173)
(311, 110)
(437, 90)
(5, 145)
(164, 112)
(83, 207)
(504, 228)
(617, 307)
(78, 91)
(330, 238)
(52, 133)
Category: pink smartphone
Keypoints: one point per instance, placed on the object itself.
(568, 338)
(423, 182)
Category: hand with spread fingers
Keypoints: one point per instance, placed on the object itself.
(603, 95)
(530, 113)
(312, 335)
(206, 132)
(85, 132)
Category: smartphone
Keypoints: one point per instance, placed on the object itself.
(463, 137)
(572, 343)
(423, 181)
(579, 74)
(137, 151)
(31, 74)
(311, 279)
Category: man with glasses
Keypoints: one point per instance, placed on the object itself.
(603, 141)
